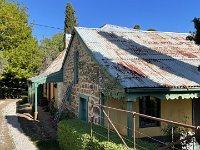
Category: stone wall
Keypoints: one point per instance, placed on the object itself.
(59, 93)
(92, 78)
(88, 71)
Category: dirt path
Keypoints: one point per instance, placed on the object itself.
(11, 134)
(6, 141)
(40, 131)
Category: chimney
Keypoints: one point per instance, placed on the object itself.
(67, 39)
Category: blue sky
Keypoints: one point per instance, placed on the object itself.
(163, 15)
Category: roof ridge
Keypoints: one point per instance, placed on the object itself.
(131, 29)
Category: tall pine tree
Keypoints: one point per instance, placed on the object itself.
(197, 32)
(195, 36)
(70, 19)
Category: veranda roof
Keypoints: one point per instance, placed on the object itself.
(53, 73)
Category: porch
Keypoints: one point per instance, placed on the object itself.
(179, 105)
(36, 90)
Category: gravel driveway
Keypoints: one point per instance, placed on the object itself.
(11, 134)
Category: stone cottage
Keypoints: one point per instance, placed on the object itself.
(150, 72)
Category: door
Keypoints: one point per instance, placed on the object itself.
(83, 109)
(196, 112)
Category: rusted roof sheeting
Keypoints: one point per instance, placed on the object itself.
(144, 58)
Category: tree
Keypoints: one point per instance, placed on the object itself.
(197, 27)
(3, 63)
(70, 19)
(20, 56)
(151, 29)
(137, 27)
(18, 45)
(195, 36)
(51, 48)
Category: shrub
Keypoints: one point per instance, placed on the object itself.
(75, 134)
(24, 99)
(177, 133)
(167, 130)
(66, 114)
(52, 107)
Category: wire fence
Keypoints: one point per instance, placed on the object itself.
(116, 127)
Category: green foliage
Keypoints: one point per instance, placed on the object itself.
(94, 144)
(66, 114)
(70, 138)
(50, 144)
(70, 19)
(3, 63)
(17, 43)
(197, 32)
(24, 99)
(177, 133)
(137, 27)
(195, 36)
(167, 130)
(111, 146)
(11, 87)
(25, 60)
(75, 134)
(51, 48)
(151, 29)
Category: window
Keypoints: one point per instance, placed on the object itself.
(76, 60)
(149, 106)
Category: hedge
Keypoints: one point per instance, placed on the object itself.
(74, 134)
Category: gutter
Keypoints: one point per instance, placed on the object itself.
(143, 90)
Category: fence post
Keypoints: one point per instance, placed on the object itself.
(172, 136)
(91, 122)
(108, 125)
(193, 140)
(134, 141)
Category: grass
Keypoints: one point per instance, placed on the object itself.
(100, 133)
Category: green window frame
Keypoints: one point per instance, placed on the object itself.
(149, 105)
(76, 61)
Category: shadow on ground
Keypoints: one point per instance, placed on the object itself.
(40, 132)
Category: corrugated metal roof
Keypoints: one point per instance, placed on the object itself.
(144, 58)
(55, 66)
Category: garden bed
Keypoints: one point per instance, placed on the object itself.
(75, 134)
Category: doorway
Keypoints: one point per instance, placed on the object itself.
(196, 111)
(83, 109)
